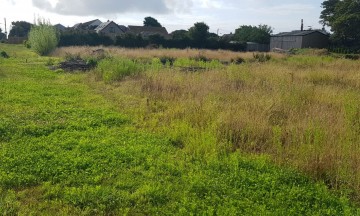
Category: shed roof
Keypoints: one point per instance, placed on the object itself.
(300, 33)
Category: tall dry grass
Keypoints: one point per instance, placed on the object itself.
(222, 55)
(302, 111)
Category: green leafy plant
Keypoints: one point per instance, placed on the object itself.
(43, 37)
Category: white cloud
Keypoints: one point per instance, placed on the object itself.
(95, 7)
(283, 9)
(211, 4)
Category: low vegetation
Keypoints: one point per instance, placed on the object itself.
(157, 139)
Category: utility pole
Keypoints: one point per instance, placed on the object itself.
(5, 29)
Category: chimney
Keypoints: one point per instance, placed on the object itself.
(302, 25)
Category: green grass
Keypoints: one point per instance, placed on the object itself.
(65, 149)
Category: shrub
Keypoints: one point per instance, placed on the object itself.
(167, 60)
(352, 56)
(43, 37)
(27, 44)
(261, 57)
(3, 54)
(238, 60)
(50, 62)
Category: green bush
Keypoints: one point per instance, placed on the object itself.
(43, 37)
(3, 54)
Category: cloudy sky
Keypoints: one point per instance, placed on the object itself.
(223, 16)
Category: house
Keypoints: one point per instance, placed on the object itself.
(90, 25)
(110, 29)
(300, 39)
(146, 31)
(60, 27)
(227, 37)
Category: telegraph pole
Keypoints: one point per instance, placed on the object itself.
(5, 29)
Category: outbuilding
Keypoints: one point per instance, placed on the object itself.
(300, 39)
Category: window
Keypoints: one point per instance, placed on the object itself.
(112, 30)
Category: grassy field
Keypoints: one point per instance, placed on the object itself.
(135, 137)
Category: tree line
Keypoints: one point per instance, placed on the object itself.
(197, 36)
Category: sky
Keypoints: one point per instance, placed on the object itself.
(222, 16)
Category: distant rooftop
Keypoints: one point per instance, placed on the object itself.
(148, 30)
(105, 24)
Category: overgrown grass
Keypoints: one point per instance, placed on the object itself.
(116, 69)
(300, 110)
(147, 145)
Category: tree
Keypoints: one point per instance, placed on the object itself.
(327, 14)
(43, 37)
(199, 33)
(180, 34)
(149, 21)
(2, 35)
(258, 34)
(20, 29)
(343, 17)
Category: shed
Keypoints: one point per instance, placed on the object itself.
(256, 47)
(300, 39)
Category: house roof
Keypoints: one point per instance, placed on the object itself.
(300, 33)
(102, 26)
(228, 36)
(105, 24)
(148, 30)
(86, 24)
(60, 27)
(123, 28)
